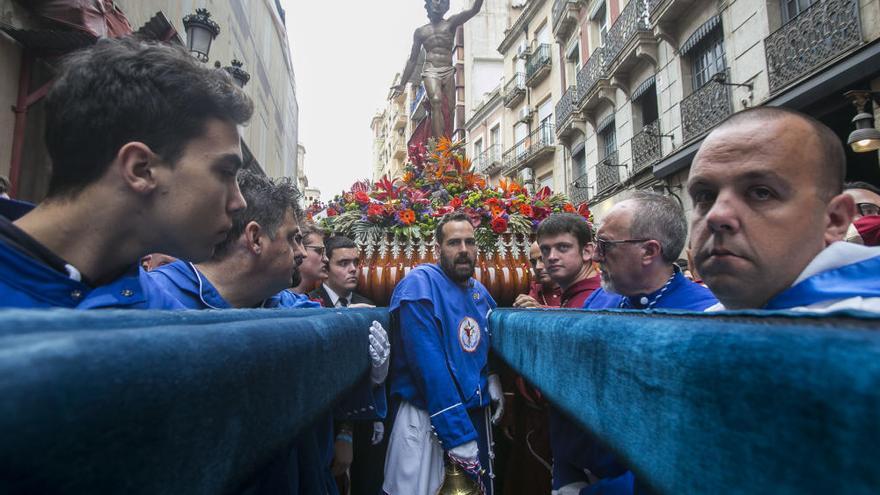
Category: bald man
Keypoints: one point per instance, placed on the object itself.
(769, 212)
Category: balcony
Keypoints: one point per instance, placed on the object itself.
(566, 108)
(578, 191)
(607, 173)
(398, 146)
(630, 38)
(589, 78)
(669, 12)
(820, 34)
(399, 118)
(646, 147)
(489, 161)
(538, 65)
(514, 90)
(565, 17)
(539, 143)
(704, 109)
(418, 103)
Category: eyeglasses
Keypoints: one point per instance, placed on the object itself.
(602, 245)
(866, 209)
(319, 250)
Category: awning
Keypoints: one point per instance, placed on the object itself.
(642, 88)
(700, 34)
(604, 123)
(47, 41)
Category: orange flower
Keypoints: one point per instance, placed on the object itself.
(407, 217)
(568, 208)
(497, 210)
(526, 210)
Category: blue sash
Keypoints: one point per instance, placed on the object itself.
(860, 279)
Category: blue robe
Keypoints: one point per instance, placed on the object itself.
(575, 450)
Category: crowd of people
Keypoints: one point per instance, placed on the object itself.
(150, 206)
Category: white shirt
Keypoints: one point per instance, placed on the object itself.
(834, 256)
(334, 297)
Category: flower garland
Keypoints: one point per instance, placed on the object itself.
(439, 179)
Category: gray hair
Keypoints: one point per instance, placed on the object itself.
(660, 218)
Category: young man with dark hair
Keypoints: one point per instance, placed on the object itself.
(440, 378)
(145, 150)
(343, 263)
(566, 244)
(769, 212)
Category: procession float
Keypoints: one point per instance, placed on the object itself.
(392, 221)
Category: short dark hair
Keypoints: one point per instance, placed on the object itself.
(267, 200)
(127, 89)
(455, 216)
(660, 218)
(832, 155)
(337, 242)
(566, 223)
(862, 185)
(4, 184)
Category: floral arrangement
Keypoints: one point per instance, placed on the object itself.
(438, 179)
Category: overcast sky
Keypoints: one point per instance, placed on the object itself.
(345, 56)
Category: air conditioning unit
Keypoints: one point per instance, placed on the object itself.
(522, 50)
(525, 114)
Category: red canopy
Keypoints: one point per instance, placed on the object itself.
(101, 18)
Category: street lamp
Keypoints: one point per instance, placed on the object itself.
(866, 137)
(200, 32)
(240, 76)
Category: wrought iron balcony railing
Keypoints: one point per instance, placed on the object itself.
(514, 89)
(566, 107)
(578, 191)
(819, 34)
(489, 161)
(541, 139)
(607, 174)
(704, 109)
(646, 146)
(590, 74)
(538, 63)
(633, 18)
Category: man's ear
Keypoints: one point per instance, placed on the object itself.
(253, 234)
(838, 217)
(652, 249)
(136, 164)
(587, 252)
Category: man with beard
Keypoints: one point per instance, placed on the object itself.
(567, 248)
(769, 215)
(543, 291)
(637, 246)
(440, 382)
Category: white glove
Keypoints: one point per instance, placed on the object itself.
(466, 453)
(497, 396)
(378, 433)
(571, 489)
(380, 350)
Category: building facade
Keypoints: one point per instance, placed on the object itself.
(251, 32)
(391, 129)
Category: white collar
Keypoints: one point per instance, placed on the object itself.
(334, 297)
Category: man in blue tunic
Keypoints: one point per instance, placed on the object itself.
(770, 215)
(636, 248)
(440, 376)
(145, 149)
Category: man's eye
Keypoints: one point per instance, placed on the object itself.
(702, 197)
(761, 193)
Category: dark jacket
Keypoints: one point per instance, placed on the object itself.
(320, 294)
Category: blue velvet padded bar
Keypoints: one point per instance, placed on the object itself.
(194, 402)
(749, 403)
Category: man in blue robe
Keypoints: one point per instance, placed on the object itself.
(253, 267)
(770, 215)
(440, 377)
(636, 248)
(145, 149)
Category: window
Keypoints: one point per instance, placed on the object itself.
(478, 147)
(707, 58)
(645, 106)
(579, 163)
(599, 24)
(520, 132)
(495, 135)
(792, 8)
(608, 140)
(545, 116)
(547, 181)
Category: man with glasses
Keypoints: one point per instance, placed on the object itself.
(637, 245)
(865, 228)
(565, 241)
(313, 270)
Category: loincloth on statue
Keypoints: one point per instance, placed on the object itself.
(443, 74)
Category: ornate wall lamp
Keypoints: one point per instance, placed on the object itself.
(866, 137)
(200, 32)
(240, 76)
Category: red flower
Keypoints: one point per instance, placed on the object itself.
(543, 193)
(455, 203)
(375, 210)
(499, 225)
(332, 212)
(526, 210)
(568, 208)
(584, 211)
(443, 210)
(407, 217)
(362, 197)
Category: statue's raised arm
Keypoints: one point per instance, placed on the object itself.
(465, 15)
